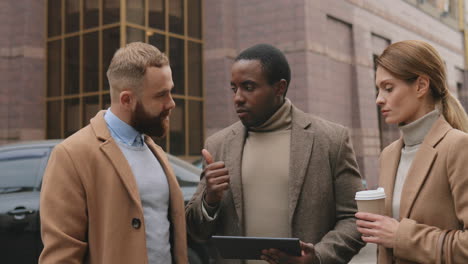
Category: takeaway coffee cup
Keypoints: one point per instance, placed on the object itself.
(371, 201)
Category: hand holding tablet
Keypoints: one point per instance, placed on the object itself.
(308, 256)
(236, 247)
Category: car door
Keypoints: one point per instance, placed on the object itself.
(20, 176)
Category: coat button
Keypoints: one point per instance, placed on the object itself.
(136, 223)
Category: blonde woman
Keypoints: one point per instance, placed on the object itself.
(425, 172)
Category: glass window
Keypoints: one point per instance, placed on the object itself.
(445, 7)
(442, 5)
(72, 116)
(90, 13)
(72, 65)
(77, 84)
(72, 16)
(91, 62)
(194, 18)
(452, 7)
(136, 11)
(90, 108)
(186, 173)
(195, 129)
(54, 119)
(110, 44)
(194, 69)
(134, 34)
(54, 55)
(54, 17)
(106, 102)
(157, 14)
(176, 57)
(158, 40)
(177, 128)
(176, 16)
(111, 11)
(20, 169)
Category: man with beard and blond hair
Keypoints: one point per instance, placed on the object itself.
(109, 194)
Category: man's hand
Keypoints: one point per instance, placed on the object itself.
(274, 256)
(217, 179)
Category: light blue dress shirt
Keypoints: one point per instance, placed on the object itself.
(122, 131)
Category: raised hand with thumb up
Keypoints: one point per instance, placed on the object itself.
(216, 177)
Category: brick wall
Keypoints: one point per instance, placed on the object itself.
(22, 70)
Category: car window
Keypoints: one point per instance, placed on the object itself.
(186, 173)
(185, 177)
(19, 169)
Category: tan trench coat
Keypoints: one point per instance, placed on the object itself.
(434, 200)
(90, 206)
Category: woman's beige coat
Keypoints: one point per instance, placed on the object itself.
(434, 200)
(90, 207)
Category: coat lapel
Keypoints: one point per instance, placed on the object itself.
(176, 203)
(233, 154)
(415, 178)
(174, 188)
(388, 169)
(421, 166)
(302, 141)
(120, 163)
(110, 148)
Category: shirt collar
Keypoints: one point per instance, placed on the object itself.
(122, 131)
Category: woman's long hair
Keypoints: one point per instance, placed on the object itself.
(409, 59)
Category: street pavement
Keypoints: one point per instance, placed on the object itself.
(367, 255)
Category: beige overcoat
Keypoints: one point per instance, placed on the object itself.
(90, 206)
(323, 180)
(434, 200)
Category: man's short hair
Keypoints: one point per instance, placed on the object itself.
(274, 64)
(129, 64)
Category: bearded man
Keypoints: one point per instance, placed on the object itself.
(109, 194)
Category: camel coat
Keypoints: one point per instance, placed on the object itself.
(323, 179)
(434, 200)
(90, 206)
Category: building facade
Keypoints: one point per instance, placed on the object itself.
(54, 55)
(82, 37)
(331, 46)
(22, 70)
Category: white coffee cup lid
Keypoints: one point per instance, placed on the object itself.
(370, 194)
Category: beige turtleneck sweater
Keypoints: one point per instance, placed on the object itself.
(265, 175)
(413, 136)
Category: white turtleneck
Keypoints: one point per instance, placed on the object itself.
(413, 136)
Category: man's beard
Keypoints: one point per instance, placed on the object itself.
(149, 125)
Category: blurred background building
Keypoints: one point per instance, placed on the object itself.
(54, 55)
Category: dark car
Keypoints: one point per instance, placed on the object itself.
(21, 169)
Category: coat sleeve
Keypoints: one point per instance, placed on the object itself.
(340, 244)
(198, 226)
(415, 240)
(63, 211)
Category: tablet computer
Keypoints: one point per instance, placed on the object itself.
(238, 247)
